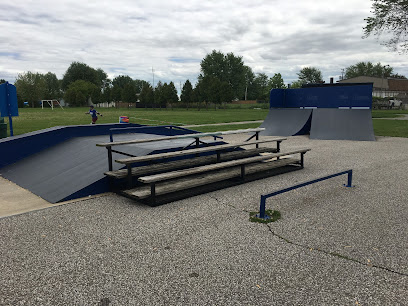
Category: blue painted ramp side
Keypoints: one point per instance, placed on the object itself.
(287, 122)
(75, 168)
(342, 124)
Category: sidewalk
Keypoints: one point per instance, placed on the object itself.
(15, 200)
(227, 123)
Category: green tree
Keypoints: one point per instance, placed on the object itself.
(226, 93)
(140, 84)
(261, 86)
(390, 17)
(202, 89)
(116, 93)
(276, 82)
(2, 81)
(310, 75)
(159, 97)
(250, 86)
(122, 80)
(146, 95)
(31, 87)
(236, 75)
(53, 90)
(129, 93)
(296, 84)
(79, 92)
(107, 94)
(368, 69)
(101, 77)
(226, 68)
(186, 95)
(214, 91)
(398, 76)
(171, 93)
(80, 71)
(97, 96)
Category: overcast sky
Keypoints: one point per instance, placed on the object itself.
(172, 37)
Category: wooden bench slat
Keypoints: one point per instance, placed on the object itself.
(205, 168)
(195, 161)
(131, 160)
(143, 192)
(195, 135)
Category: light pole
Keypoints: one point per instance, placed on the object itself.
(382, 82)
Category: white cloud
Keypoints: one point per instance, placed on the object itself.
(131, 37)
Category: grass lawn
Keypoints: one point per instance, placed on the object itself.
(388, 113)
(37, 119)
(394, 128)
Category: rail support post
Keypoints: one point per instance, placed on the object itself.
(262, 214)
(349, 179)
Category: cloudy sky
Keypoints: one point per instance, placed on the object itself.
(172, 37)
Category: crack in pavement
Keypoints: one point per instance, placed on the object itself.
(335, 254)
(345, 257)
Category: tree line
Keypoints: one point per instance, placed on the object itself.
(222, 78)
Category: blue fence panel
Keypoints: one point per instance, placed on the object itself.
(277, 98)
(323, 97)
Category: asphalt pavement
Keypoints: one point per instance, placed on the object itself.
(333, 246)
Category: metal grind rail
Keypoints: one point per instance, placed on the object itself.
(262, 214)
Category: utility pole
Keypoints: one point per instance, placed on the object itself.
(153, 77)
(180, 90)
(154, 98)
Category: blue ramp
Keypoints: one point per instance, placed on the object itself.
(75, 168)
(287, 122)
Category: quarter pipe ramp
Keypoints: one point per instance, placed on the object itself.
(287, 122)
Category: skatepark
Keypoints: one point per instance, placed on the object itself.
(333, 245)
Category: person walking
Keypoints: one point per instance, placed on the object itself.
(94, 114)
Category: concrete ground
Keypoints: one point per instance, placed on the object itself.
(333, 245)
(15, 200)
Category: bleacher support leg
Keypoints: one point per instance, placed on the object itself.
(153, 193)
(110, 158)
(243, 172)
(129, 175)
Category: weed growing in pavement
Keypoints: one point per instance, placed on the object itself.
(273, 214)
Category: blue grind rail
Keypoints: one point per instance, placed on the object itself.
(264, 216)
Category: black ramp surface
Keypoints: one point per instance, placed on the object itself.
(286, 122)
(66, 168)
(342, 124)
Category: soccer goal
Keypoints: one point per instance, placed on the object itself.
(51, 103)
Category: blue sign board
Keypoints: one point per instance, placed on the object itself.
(8, 103)
(8, 100)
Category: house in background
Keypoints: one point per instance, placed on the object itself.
(384, 87)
